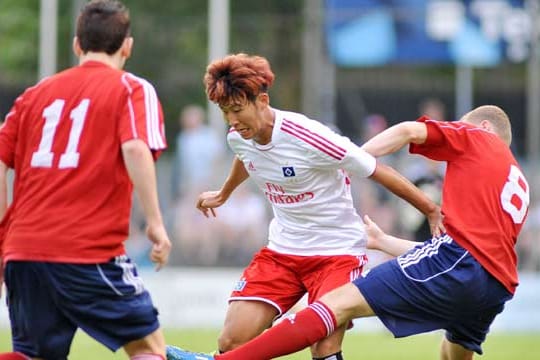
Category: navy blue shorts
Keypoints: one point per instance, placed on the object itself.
(436, 285)
(48, 301)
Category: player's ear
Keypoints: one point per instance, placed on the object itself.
(264, 98)
(486, 125)
(127, 45)
(76, 46)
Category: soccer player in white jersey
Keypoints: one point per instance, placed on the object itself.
(316, 239)
(458, 281)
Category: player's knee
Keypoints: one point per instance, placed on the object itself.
(346, 303)
(452, 351)
(227, 342)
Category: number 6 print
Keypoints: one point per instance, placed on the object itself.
(516, 185)
(43, 157)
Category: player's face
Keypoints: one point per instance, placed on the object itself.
(246, 118)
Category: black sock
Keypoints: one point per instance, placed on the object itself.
(336, 356)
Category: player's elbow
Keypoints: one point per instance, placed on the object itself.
(413, 131)
(135, 151)
(134, 147)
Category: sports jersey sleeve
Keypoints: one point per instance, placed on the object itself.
(141, 115)
(445, 140)
(359, 162)
(8, 134)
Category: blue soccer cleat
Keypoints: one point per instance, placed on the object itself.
(176, 353)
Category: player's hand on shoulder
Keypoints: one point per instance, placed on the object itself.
(161, 247)
(435, 219)
(208, 201)
(374, 233)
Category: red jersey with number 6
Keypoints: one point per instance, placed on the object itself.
(485, 195)
(72, 194)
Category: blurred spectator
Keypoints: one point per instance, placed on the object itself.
(432, 108)
(430, 182)
(425, 173)
(198, 163)
(528, 244)
(229, 239)
(372, 125)
(369, 197)
(198, 150)
(196, 240)
(242, 219)
(138, 247)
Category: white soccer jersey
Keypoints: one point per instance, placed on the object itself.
(303, 172)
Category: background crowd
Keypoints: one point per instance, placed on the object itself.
(171, 49)
(201, 162)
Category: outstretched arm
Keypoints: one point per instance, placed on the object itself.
(379, 240)
(210, 200)
(394, 138)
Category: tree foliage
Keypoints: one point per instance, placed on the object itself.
(19, 26)
(171, 41)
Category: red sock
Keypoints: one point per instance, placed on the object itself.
(13, 356)
(147, 356)
(292, 334)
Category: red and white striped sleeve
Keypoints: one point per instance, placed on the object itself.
(142, 117)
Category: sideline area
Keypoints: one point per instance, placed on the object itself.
(197, 298)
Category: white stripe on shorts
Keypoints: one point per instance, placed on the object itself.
(428, 250)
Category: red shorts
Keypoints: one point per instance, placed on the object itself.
(281, 280)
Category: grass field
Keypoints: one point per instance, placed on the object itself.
(357, 346)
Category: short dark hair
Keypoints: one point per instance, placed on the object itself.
(102, 26)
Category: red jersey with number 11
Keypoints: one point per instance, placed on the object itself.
(485, 195)
(72, 193)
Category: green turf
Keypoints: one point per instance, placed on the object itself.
(357, 346)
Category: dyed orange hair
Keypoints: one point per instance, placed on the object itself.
(237, 78)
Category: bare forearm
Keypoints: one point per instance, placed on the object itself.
(396, 137)
(237, 175)
(141, 170)
(393, 245)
